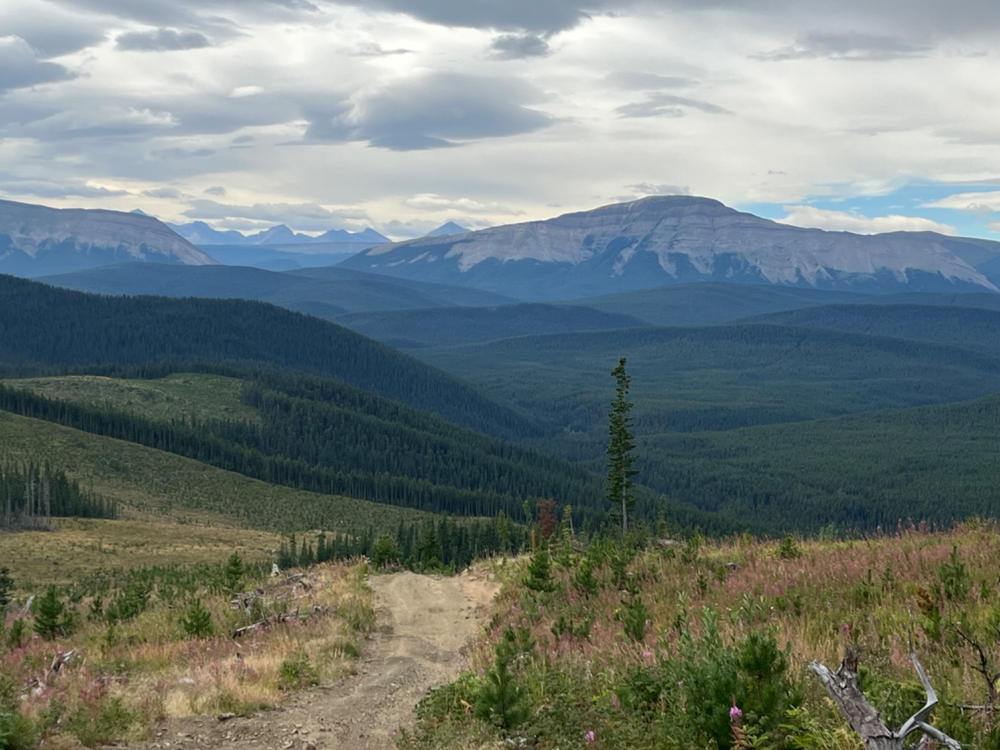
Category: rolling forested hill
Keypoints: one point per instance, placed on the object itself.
(41, 326)
(971, 328)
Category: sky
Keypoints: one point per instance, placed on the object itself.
(403, 114)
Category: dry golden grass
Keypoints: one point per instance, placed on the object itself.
(79, 546)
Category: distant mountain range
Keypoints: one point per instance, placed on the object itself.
(37, 240)
(200, 233)
(671, 239)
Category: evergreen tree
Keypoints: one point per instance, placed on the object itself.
(50, 615)
(198, 622)
(620, 447)
(233, 573)
(540, 570)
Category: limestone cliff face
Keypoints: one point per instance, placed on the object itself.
(36, 240)
(661, 240)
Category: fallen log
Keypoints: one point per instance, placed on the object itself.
(842, 686)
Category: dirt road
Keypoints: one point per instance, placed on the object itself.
(423, 623)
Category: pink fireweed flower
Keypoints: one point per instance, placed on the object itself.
(590, 736)
(735, 714)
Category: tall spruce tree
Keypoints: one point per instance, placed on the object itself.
(620, 447)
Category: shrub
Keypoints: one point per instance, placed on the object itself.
(297, 672)
(539, 576)
(501, 700)
(51, 618)
(95, 724)
(198, 621)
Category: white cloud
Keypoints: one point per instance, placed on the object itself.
(985, 202)
(435, 202)
(842, 221)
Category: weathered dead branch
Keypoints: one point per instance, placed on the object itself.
(842, 686)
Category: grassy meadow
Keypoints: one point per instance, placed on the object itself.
(150, 484)
(652, 649)
(162, 643)
(184, 396)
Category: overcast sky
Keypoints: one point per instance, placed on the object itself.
(400, 114)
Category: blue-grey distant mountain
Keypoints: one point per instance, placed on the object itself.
(670, 239)
(449, 227)
(200, 233)
(323, 292)
(37, 240)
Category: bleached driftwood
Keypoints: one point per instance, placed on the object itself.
(842, 686)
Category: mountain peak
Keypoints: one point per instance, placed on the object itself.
(36, 240)
(668, 239)
(449, 227)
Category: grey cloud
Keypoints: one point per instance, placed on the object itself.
(847, 46)
(183, 153)
(243, 140)
(50, 31)
(46, 189)
(301, 216)
(373, 49)
(518, 46)
(164, 192)
(161, 39)
(658, 188)
(215, 190)
(433, 111)
(638, 81)
(19, 66)
(667, 105)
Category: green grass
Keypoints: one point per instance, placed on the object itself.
(149, 483)
(178, 396)
(655, 651)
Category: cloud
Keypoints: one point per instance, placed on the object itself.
(164, 192)
(638, 81)
(46, 189)
(301, 216)
(432, 111)
(994, 226)
(19, 66)
(541, 17)
(161, 40)
(518, 46)
(666, 105)
(183, 153)
(656, 188)
(847, 46)
(982, 203)
(215, 190)
(435, 202)
(48, 30)
(842, 221)
(373, 49)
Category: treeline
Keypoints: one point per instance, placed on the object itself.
(31, 494)
(441, 544)
(44, 326)
(202, 442)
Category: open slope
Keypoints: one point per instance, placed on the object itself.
(41, 325)
(311, 434)
(150, 483)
